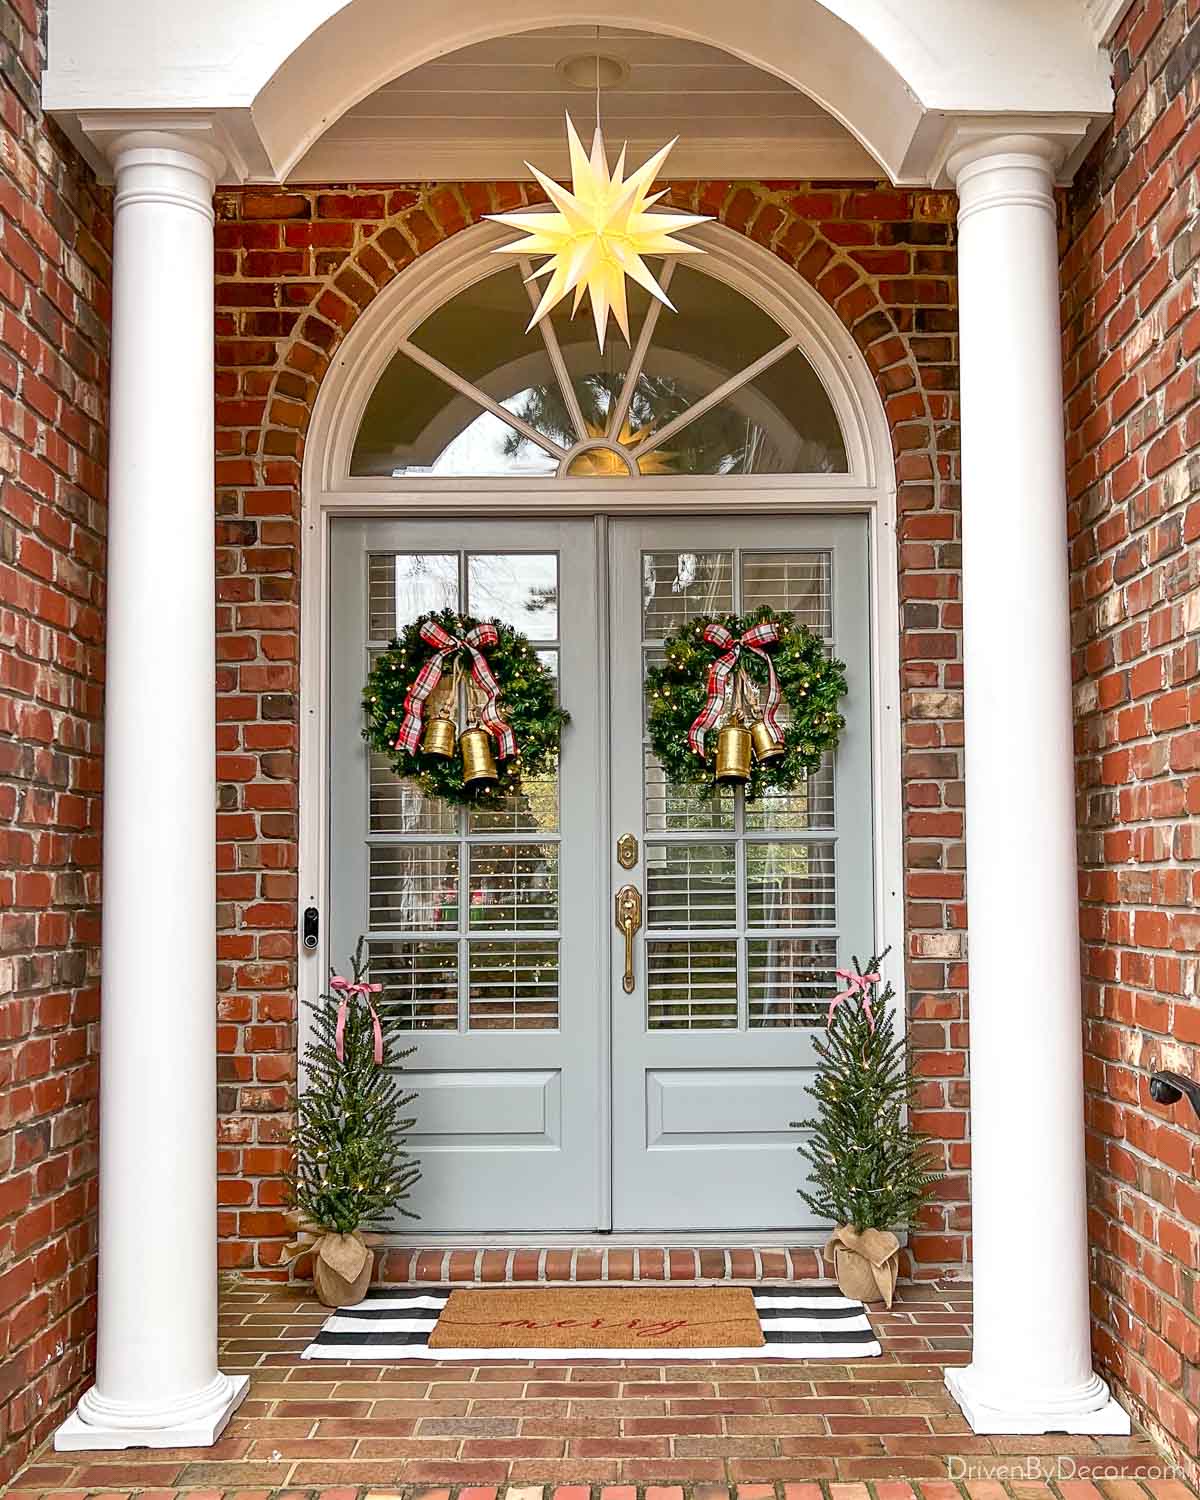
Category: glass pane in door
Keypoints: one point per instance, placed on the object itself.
(774, 875)
(788, 980)
(499, 898)
(691, 986)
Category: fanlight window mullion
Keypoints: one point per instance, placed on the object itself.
(554, 353)
(715, 397)
(481, 398)
(474, 390)
(638, 357)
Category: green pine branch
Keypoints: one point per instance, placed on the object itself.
(868, 1166)
(351, 1170)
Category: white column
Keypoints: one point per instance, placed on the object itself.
(1031, 1368)
(157, 1382)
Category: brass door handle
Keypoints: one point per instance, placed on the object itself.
(629, 919)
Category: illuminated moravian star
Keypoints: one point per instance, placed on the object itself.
(599, 233)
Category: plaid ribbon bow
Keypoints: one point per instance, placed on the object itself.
(857, 985)
(765, 633)
(475, 642)
(345, 989)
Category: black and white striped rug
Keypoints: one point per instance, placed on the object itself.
(803, 1321)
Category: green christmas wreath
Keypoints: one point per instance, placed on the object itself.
(810, 684)
(525, 702)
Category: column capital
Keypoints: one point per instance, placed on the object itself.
(194, 142)
(1049, 143)
(992, 150)
(163, 162)
(1004, 170)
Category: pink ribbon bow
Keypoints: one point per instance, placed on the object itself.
(475, 642)
(765, 633)
(856, 985)
(346, 988)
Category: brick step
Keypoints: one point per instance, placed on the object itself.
(598, 1263)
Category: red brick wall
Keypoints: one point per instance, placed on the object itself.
(1132, 334)
(54, 286)
(294, 271)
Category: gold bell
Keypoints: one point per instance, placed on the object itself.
(766, 746)
(479, 764)
(439, 737)
(733, 753)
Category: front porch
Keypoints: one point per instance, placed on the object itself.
(947, 550)
(377, 1428)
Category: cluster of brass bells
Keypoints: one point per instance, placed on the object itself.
(441, 736)
(735, 743)
(745, 733)
(474, 745)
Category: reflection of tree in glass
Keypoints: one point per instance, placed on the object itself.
(544, 408)
(514, 886)
(534, 807)
(541, 597)
(514, 985)
(721, 441)
(513, 586)
(420, 981)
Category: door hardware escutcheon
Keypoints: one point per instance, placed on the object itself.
(629, 920)
(627, 851)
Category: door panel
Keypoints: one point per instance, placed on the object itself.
(748, 907)
(483, 926)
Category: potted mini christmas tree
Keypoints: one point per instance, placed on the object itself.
(869, 1172)
(351, 1169)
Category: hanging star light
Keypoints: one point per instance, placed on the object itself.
(600, 233)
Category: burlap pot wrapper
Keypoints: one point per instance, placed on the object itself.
(342, 1263)
(866, 1264)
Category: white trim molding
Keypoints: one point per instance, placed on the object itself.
(504, 161)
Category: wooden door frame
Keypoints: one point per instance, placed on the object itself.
(327, 493)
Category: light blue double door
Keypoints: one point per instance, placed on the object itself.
(551, 1097)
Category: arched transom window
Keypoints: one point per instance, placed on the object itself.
(718, 387)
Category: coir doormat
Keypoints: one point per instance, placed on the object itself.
(798, 1322)
(695, 1317)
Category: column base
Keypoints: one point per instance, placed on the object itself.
(96, 1423)
(1093, 1414)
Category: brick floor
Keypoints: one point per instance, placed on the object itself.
(642, 1431)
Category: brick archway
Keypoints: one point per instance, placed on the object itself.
(830, 237)
(295, 270)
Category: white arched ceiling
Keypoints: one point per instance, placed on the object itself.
(276, 74)
(484, 111)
